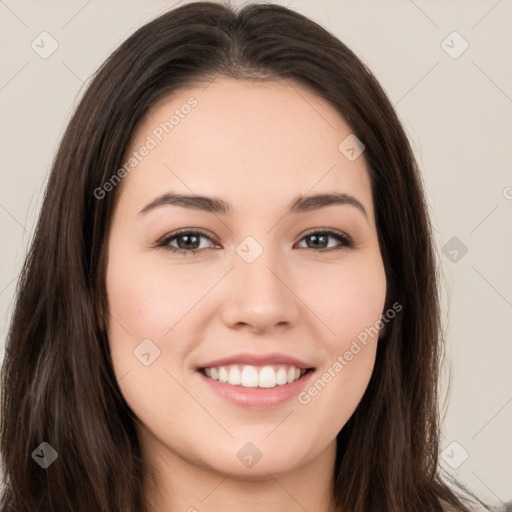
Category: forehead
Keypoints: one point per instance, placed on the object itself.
(244, 141)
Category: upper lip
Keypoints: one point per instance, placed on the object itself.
(257, 360)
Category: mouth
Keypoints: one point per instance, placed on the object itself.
(251, 376)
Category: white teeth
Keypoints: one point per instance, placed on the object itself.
(223, 374)
(267, 378)
(249, 377)
(281, 377)
(234, 376)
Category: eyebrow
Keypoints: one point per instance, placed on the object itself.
(300, 204)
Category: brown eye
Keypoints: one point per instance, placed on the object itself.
(188, 242)
(320, 240)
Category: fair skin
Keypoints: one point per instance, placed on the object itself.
(256, 146)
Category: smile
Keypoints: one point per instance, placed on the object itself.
(249, 376)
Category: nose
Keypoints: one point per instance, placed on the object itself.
(260, 295)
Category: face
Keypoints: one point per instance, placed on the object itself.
(271, 290)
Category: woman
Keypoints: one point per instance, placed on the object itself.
(292, 363)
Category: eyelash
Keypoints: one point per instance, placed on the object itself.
(345, 240)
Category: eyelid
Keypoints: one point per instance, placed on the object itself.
(169, 236)
(328, 231)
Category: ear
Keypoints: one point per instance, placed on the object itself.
(382, 331)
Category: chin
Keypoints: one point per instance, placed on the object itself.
(262, 467)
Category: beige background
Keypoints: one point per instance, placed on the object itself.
(457, 112)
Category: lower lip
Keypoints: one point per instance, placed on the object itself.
(260, 398)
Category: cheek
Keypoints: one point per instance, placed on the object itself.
(145, 302)
(349, 301)
(352, 314)
(149, 298)
(350, 304)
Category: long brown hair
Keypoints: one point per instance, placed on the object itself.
(58, 385)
